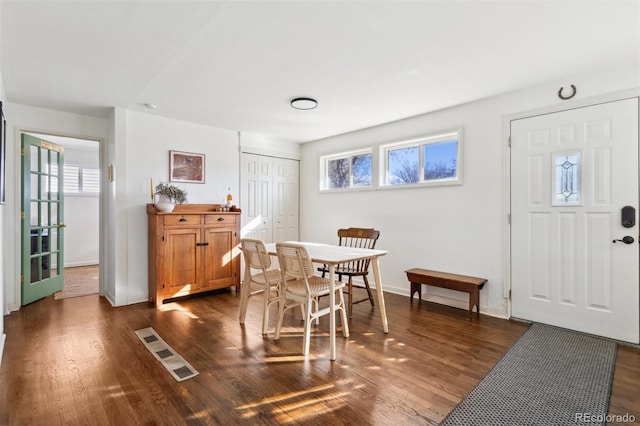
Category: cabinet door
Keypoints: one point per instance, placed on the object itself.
(182, 262)
(219, 262)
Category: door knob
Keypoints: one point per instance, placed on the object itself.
(62, 225)
(627, 240)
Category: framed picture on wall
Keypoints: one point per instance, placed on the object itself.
(186, 167)
(3, 152)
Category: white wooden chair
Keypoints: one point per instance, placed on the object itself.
(258, 279)
(302, 288)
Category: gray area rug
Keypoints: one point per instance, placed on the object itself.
(550, 376)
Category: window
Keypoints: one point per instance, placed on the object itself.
(346, 170)
(80, 180)
(432, 160)
(566, 178)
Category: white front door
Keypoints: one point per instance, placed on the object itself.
(572, 173)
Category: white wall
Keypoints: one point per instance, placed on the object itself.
(20, 118)
(148, 141)
(113, 231)
(81, 215)
(137, 146)
(457, 229)
(263, 145)
(81, 238)
(2, 228)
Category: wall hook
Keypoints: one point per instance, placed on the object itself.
(567, 97)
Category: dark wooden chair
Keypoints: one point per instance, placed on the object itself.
(355, 237)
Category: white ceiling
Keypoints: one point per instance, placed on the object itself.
(236, 65)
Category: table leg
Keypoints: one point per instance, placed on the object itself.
(332, 313)
(383, 310)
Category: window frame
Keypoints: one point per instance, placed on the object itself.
(380, 166)
(324, 170)
(420, 142)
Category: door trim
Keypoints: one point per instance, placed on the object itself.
(15, 263)
(506, 162)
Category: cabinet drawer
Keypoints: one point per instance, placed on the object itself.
(186, 219)
(220, 219)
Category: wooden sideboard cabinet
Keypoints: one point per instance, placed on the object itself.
(192, 249)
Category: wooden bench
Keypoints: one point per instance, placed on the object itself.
(471, 285)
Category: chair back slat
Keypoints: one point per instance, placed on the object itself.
(360, 238)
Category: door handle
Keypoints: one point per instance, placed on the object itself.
(627, 240)
(62, 225)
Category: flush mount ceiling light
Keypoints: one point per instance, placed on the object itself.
(304, 103)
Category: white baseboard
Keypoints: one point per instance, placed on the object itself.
(110, 299)
(77, 264)
(447, 301)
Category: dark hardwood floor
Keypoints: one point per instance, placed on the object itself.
(78, 361)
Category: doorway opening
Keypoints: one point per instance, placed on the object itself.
(80, 190)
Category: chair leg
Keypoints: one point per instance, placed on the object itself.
(307, 329)
(244, 300)
(366, 284)
(265, 310)
(280, 317)
(316, 308)
(350, 285)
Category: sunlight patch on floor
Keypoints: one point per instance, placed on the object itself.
(299, 406)
(289, 395)
(174, 306)
(308, 406)
(290, 358)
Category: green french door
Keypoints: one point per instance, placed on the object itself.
(42, 219)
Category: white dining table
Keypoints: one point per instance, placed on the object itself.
(332, 255)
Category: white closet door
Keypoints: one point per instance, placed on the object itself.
(265, 199)
(249, 195)
(293, 200)
(255, 197)
(279, 199)
(269, 198)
